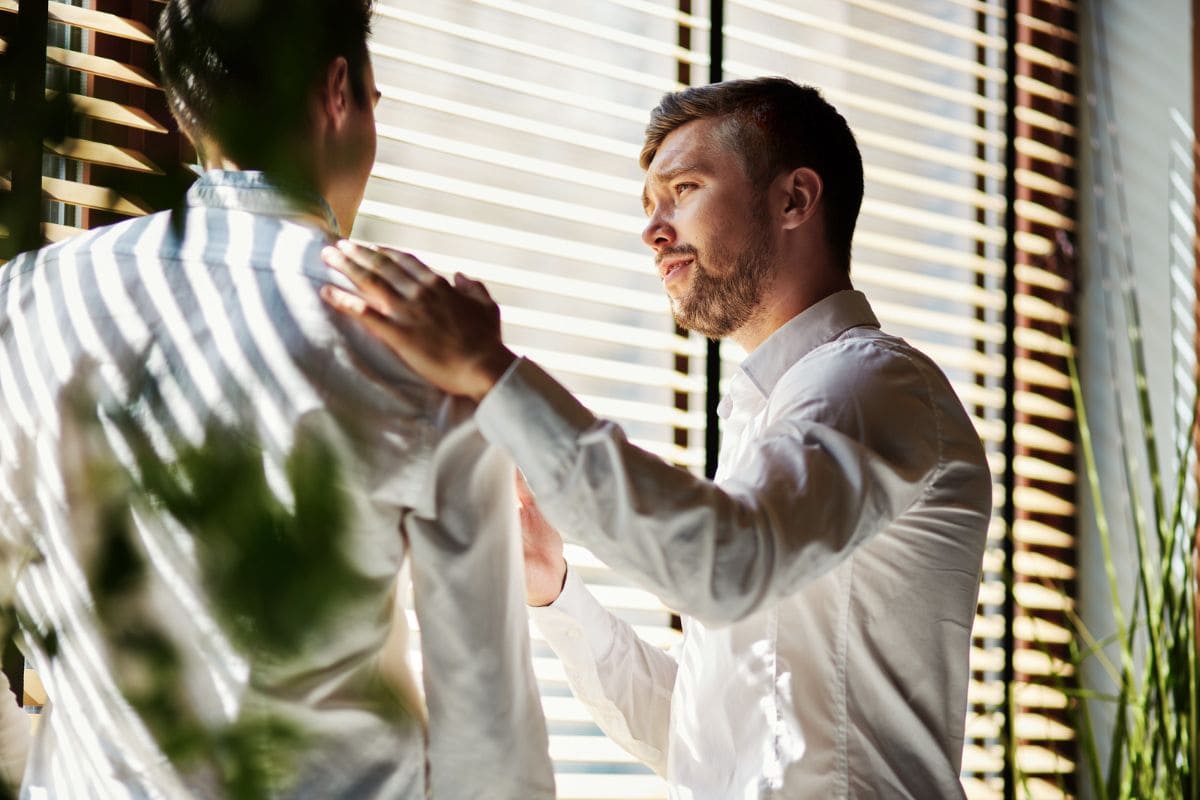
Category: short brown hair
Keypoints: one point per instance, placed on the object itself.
(240, 73)
(775, 125)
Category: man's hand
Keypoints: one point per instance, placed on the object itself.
(545, 567)
(449, 335)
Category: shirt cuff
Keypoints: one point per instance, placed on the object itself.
(575, 617)
(536, 421)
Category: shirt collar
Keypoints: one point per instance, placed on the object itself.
(821, 322)
(252, 191)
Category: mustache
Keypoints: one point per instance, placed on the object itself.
(679, 250)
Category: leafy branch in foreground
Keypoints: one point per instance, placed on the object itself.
(274, 570)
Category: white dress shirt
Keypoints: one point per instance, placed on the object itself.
(221, 319)
(14, 738)
(828, 577)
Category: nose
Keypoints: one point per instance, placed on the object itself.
(658, 232)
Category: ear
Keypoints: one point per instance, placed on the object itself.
(802, 190)
(336, 97)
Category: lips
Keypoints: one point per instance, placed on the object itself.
(670, 266)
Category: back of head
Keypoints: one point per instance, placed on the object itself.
(239, 73)
(775, 125)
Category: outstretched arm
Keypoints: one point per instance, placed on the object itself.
(623, 681)
(824, 479)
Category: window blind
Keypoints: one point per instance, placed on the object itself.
(78, 192)
(509, 135)
(923, 85)
(509, 132)
(1043, 528)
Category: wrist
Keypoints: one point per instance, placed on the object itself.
(489, 370)
(543, 600)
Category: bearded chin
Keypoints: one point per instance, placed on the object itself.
(717, 307)
(703, 315)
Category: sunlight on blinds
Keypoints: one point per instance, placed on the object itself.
(98, 90)
(530, 183)
(509, 134)
(1044, 499)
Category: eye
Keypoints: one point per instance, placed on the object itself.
(683, 186)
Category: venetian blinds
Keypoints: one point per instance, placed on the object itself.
(1043, 527)
(509, 132)
(101, 54)
(924, 84)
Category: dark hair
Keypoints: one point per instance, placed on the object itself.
(239, 72)
(775, 125)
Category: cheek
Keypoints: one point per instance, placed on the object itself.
(368, 144)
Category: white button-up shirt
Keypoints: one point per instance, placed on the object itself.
(829, 576)
(222, 320)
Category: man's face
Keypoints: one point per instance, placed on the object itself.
(708, 230)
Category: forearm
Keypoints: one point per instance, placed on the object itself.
(623, 681)
(798, 506)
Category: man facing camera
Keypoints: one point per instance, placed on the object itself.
(828, 577)
(123, 353)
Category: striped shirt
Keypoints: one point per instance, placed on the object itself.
(218, 319)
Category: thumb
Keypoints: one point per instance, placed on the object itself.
(524, 493)
(472, 288)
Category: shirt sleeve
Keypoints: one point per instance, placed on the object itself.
(14, 737)
(487, 734)
(810, 493)
(624, 682)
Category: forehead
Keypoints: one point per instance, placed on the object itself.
(696, 143)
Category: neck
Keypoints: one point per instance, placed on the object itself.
(288, 178)
(793, 291)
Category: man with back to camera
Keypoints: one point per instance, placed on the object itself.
(220, 319)
(829, 576)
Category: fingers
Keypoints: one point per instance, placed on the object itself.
(354, 306)
(415, 268)
(379, 282)
(343, 301)
(395, 283)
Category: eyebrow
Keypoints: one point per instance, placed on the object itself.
(668, 176)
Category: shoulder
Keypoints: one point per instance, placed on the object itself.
(864, 366)
(108, 238)
(873, 388)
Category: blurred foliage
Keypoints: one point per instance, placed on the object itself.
(275, 571)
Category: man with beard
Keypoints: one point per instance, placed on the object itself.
(829, 576)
